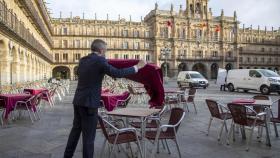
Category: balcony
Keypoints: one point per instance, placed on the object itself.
(261, 63)
(199, 58)
(11, 26)
(34, 15)
(230, 59)
(169, 57)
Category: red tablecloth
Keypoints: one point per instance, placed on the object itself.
(35, 91)
(11, 99)
(242, 101)
(150, 76)
(110, 100)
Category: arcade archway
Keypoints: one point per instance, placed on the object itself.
(61, 72)
(201, 68)
(214, 70)
(182, 67)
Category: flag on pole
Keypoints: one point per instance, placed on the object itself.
(169, 23)
(217, 29)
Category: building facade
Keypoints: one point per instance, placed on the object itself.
(34, 46)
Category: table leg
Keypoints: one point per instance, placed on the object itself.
(267, 120)
(143, 132)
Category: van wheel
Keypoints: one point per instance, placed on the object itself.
(230, 87)
(205, 87)
(278, 93)
(265, 90)
(245, 90)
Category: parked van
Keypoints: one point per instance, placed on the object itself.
(262, 80)
(191, 79)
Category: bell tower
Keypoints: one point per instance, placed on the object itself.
(197, 9)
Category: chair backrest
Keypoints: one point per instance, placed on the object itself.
(131, 89)
(261, 97)
(192, 92)
(125, 103)
(102, 126)
(213, 108)
(176, 116)
(239, 114)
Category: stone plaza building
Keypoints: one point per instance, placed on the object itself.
(35, 46)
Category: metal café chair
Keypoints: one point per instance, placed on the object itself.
(117, 136)
(219, 112)
(276, 119)
(241, 117)
(168, 131)
(2, 108)
(186, 99)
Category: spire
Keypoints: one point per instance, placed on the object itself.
(95, 16)
(156, 6)
(71, 15)
(130, 18)
(141, 18)
(107, 16)
(235, 15)
(222, 13)
(171, 8)
(119, 17)
(83, 15)
(60, 15)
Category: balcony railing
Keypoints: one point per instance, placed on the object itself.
(268, 63)
(259, 52)
(29, 7)
(230, 59)
(10, 23)
(201, 58)
(168, 57)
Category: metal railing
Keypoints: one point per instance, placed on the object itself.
(10, 22)
(204, 58)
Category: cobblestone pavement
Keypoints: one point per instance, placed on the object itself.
(47, 137)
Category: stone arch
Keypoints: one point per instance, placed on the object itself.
(229, 66)
(165, 67)
(3, 48)
(182, 67)
(214, 70)
(201, 68)
(76, 72)
(61, 72)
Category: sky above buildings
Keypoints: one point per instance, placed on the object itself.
(249, 12)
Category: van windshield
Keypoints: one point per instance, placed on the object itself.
(268, 73)
(196, 75)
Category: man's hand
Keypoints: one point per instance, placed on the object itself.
(141, 64)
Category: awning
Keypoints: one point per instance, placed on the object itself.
(150, 76)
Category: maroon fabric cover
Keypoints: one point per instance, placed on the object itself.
(240, 101)
(11, 99)
(110, 100)
(150, 76)
(34, 91)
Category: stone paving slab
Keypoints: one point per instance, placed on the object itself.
(47, 137)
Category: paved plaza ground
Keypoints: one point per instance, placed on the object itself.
(47, 137)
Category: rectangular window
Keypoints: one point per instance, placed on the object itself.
(241, 59)
(65, 31)
(56, 56)
(125, 56)
(137, 57)
(147, 45)
(215, 54)
(125, 45)
(65, 57)
(136, 45)
(77, 43)
(136, 33)
(125, 33)
(148, 57)
(77, 56)
(116, 56)
(65, 44)
(147, 34)
(164, 32)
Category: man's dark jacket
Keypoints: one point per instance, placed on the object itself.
(91, 71)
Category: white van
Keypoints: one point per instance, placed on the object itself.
(191, 79)
(262, 80)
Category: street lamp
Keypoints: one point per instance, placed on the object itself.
(166, 51)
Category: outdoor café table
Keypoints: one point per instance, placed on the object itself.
(266, 104)
(35, 91)
(11, 99)
(110, 100)
(141, 113)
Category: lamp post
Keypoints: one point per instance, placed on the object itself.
(165, 52)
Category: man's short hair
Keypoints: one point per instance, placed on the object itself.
(97, 45)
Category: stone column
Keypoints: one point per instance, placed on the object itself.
(5, 68)
(15, 71)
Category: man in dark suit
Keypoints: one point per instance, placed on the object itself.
(91, 71)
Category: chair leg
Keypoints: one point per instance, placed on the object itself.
(167, 146)
(139, 147)
(230, 131)
(210, 122)
(275, 129)
(221, 131)
(250, 138)
(194, 107)
(178, 148)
